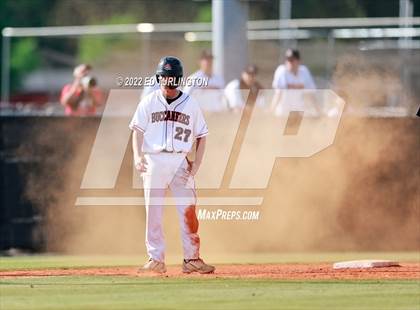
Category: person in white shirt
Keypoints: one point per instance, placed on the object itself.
(292, 75)
(214, 81)
(248, 81)
(200, 82)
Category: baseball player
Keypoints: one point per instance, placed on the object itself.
(165, 126)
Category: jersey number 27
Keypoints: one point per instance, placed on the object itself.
(179, 132)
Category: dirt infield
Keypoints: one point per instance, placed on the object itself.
(267, 271)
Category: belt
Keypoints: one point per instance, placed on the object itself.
(166, 151)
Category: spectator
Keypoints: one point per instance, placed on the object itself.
(82, 96)
(205, 72)
(292, 74)
(236, 99)
(210, 101)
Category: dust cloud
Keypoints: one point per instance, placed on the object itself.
(65, 147)
(361, 193)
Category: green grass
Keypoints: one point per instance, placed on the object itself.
(140, 293)
(118, 292)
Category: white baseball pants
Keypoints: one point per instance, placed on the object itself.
(169, 170)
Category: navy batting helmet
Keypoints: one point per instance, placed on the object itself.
(170, 66)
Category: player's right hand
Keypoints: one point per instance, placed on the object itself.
(141, 164)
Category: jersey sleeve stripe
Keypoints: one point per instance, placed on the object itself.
(202, 134)
(135, 127)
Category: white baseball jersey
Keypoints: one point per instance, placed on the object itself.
(283, 77)
(168, 127)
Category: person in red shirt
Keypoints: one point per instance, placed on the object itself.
(82, 96)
